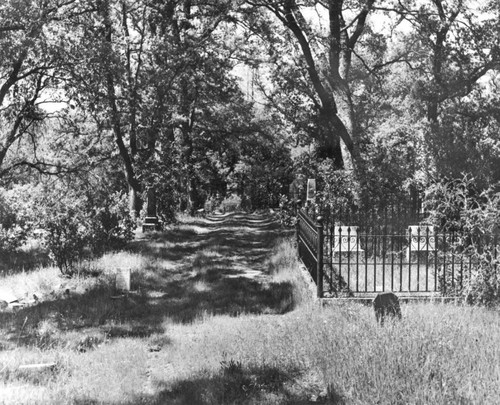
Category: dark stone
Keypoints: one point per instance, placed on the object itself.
(386, 304)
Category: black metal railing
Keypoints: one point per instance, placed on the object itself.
(310, 244)
(419, 261)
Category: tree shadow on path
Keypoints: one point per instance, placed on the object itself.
(216, 265)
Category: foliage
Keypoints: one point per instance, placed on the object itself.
(449, 202)
(392, 164)
(212, 203)
(13, 226)
(200, 101)
(71, 223)
(264, 172)
(286, 212)
(456, 206)
(66, 234)
(467, 140)
(231, 203)
(336, 190)
(112, 225)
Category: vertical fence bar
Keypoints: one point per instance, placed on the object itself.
(461, 271)
(297, 231)
(427, 259)
(436, 260)
(419, 247)
(444, 263)
(409, 259)
(358, 241)
(374, 263)
(340, 255)
(392, 262)
(401, 254)
(319, 273)
(366, 262)
(349, 247)
(452, 250)
(495, 249)
(382, 251)
(331, 241)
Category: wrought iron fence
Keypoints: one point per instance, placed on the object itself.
(310, 244)
(419, 260)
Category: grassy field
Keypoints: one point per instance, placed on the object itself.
(220, 314)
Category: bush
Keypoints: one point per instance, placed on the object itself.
(337, 188)
(74, 226)
(111, 224)
(286, 212)
(212, 203)
(11, 239)
(230, 203)
(13, 229)
(456, 206)
(73, 223)
(66, 237)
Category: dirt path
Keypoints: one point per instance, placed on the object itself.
(169, 339)
(213, 265)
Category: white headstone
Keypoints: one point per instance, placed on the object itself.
(346, 239)
(311, 189)
(123, 279)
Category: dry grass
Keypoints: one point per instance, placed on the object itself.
(203, 329)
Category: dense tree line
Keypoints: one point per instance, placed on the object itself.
(106, 101)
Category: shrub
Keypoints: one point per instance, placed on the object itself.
(286, 212)
(74, 223)
(67, 231)
(456, 206)
(230, 203)
(111, 224)
(11, 239)
(13, 228)
(212, 203)
(337, 188)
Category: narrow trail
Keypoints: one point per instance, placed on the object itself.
(216, 265)
(212, 266)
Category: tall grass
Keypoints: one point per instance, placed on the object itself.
(283, 349)
(284, 266)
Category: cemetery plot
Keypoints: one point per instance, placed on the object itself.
(359, 277)
(384, 264)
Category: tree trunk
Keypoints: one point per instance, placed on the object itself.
(133, 183)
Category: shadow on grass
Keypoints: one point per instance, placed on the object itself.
(25, 259)
(220, 270)
(235, 384)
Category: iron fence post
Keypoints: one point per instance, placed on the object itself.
(297, 231)
(319, 272)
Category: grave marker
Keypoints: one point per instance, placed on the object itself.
(311, 189)
(421, 239)
(346, 239)
(122, 282)
(386, 304)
